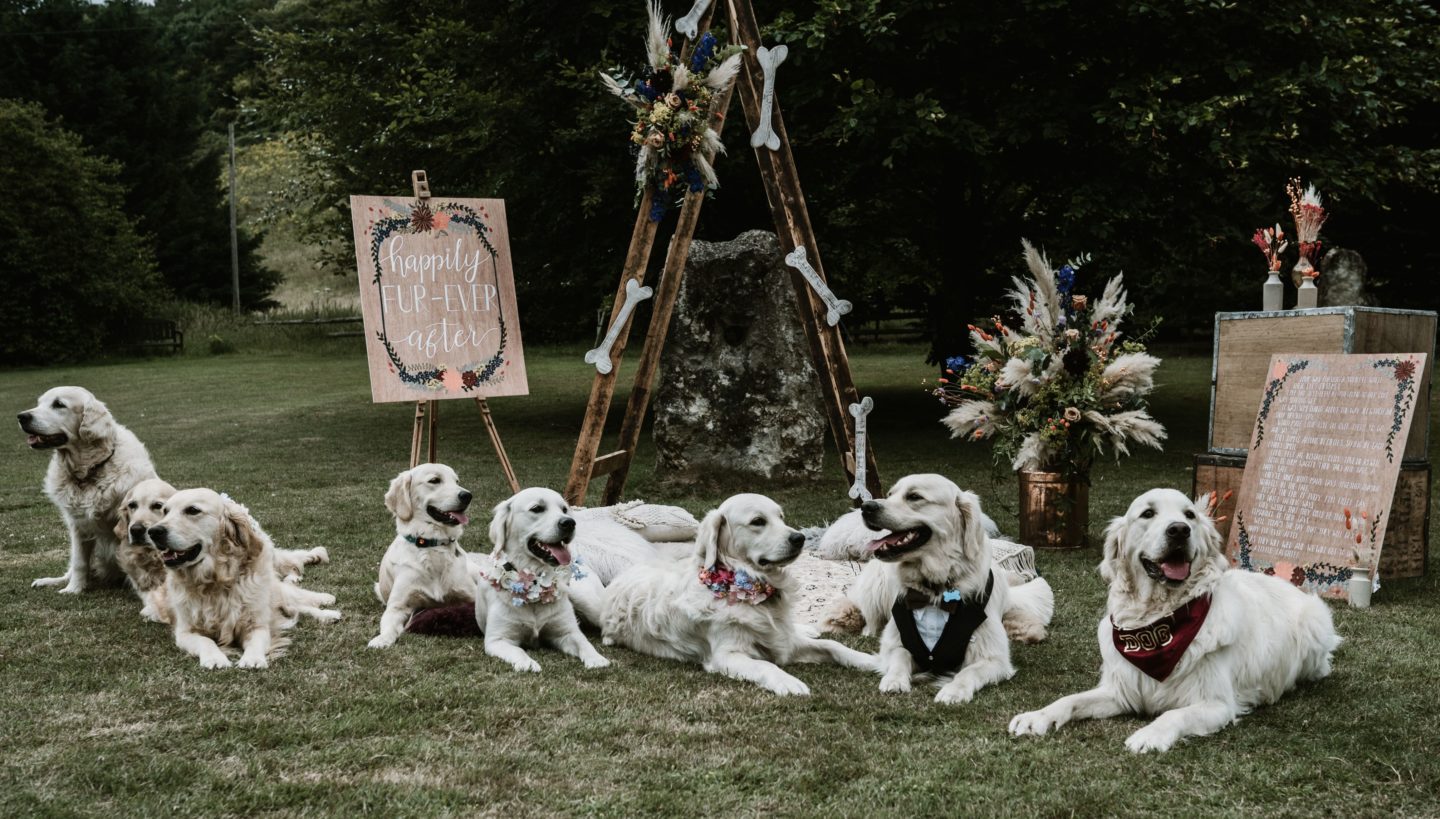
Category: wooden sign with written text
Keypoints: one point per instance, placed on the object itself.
(438, 298)
(1324, 456)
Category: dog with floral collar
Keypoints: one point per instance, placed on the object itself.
(523, 594)
(728, 608)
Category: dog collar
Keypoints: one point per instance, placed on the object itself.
(736, 585)
(525, 587)
(427, 542)
(1156, 648)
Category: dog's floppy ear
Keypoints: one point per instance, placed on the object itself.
(397, 497)
(96, 423)
(122, 522)
(707, 540)
(500, 525)
(240, 528)
(1111, 556)
(972, 524)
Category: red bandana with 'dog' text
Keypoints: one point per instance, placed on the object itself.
(1157, 648)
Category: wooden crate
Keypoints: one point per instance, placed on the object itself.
(1407, 537)
(1244, 343)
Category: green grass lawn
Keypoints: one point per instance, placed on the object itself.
(104, 716)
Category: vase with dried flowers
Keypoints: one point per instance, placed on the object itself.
(1272, 243)
(1053, 393)
(1309, 213)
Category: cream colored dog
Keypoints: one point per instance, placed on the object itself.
(947, 620)
(221, 581)
(1186, 638)
(729, 606)
(143, 507)
(523, 597)
(424, 565)
(96, 461)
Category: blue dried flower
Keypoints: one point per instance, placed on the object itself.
(704, 50)
(1065, 279)
(957, 363)
(657, 207)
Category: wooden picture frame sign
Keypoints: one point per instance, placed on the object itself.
(437, 295)
(1323, 460)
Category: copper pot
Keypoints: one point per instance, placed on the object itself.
(1054, 509)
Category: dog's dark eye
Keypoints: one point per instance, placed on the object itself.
(155, 507)
(435, 479)
(914, 497)
(1190, 513)
(1148, 513)
(192, 510)
(758, 522)
(58, 404)
(538, 508)
(133, 505)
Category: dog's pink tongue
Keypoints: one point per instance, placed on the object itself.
(32, 440)
(561, 554)
(1176, 569)
(460, 516)
(889, 539)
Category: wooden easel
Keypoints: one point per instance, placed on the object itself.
(792, 225)
(427, 413)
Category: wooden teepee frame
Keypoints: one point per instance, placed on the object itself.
(792, 225)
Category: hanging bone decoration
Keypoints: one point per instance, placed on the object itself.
(769, 59)
(835, 308)
(860, 412)
(689, 25)
(600, 356)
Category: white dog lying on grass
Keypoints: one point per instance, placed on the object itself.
(729, 607)
(1186, 638)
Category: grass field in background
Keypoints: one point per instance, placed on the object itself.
(103, 715)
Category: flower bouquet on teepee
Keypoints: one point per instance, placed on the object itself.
(1054, 393)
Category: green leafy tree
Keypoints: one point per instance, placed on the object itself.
(76, 271)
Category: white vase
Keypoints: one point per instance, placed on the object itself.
(1274, 292)
(1309, 295)
(1360, 588)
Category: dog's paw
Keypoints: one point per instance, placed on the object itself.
(319, 554)
(152, 614)
(895, 684)
(45, 582)
(73, 588)
(1037, 723)
(955, 695)
(253, 662)
(607, 640)
(326, 615)
(379, 641)
(216, 660)
(527, 664)
(1151, 738)
(597, 662)
(787, 686)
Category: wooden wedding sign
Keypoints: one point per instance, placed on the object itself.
(1324, 457)
(438, 298)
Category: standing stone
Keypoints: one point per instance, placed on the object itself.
(738, 397)
(1342, 279)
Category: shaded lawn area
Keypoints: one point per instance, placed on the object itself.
(103, 715)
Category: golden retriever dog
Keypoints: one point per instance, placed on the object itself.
(95, 462)
(1185, 638)
(524, 594)
(221, 581)
(424, 565)
(728, 607)
(142, 507)
(945, 622)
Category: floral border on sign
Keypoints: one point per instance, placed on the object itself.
(1319, 577)
(421, 218)
(1404, 372)
(1271, 392)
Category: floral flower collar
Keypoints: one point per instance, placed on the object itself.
(425, 542)
(736, 585)
(526, 587)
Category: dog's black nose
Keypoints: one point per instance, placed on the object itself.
(870, 507)
(24, 417)
(465, 497)
(797, 539)
(137, 532)
(567, 525)
(157, 535)
(1177, 531)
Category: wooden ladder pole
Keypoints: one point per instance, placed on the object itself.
(432, 424)
(417, 434)
(792, 225)
(499, 447)
(602, 390)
